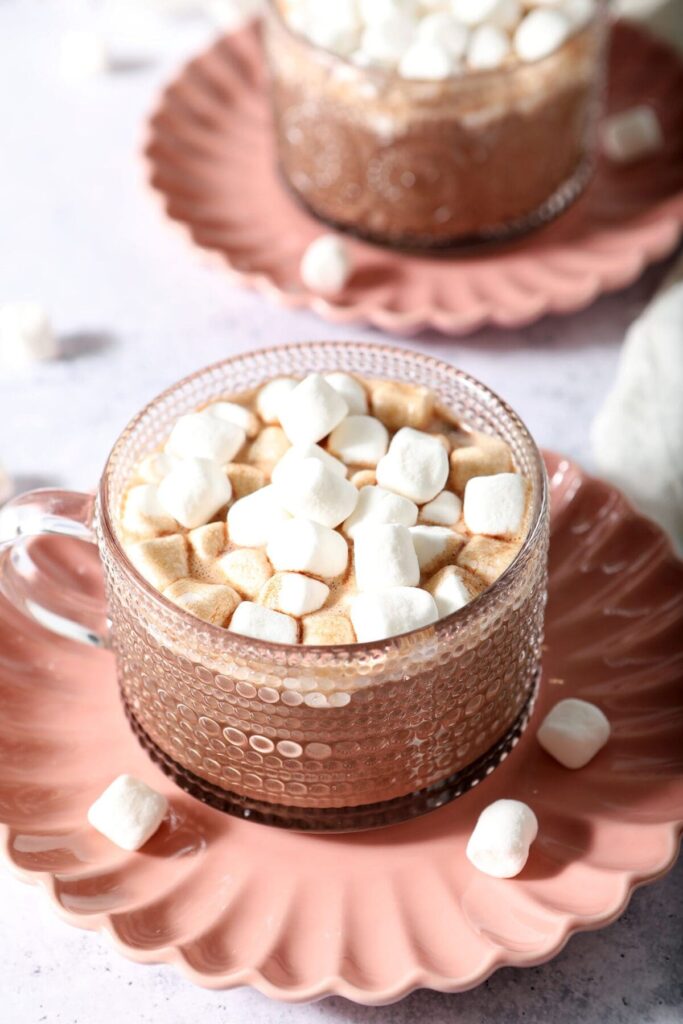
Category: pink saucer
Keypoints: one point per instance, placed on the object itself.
(211, 159)
(373, 915)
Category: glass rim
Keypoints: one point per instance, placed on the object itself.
(391, 645)
(476, 75)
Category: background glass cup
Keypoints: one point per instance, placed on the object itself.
(336, 738)
(481, 156)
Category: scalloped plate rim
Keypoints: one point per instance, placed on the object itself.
(667, 216)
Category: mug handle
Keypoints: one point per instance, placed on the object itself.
(42, 513)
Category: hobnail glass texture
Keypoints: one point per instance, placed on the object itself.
(481, 156)
(328, 737)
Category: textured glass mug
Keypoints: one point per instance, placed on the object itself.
(323, 738)
(478, 157)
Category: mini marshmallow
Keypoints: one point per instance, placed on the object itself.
(244, 479)
(443, 29)
(444, 510)
(264, 624)
(328, 628)
(326, 265)
(309, 490)
(162, 560)
(351, 390)
(293, 593)
(377, 505)
(128, 813)
(206, 544)
(155, 467)
(435, 546)
(212, 602)
(398, 404)
(416, 466)
(359, 440)
(449, 589)
(385, 613)
(268, 448)
(573, 732)
(364, 478)
(488, 48)
(632, 134)
(385, 41)
(194, 491)
(252, 520)
(495, 505)
(231, 412)
(82, 54)
(144, 515)
(311, 410)
(247, 570)
(298, 452)
(202, 436)
(477, 12)
(333, 26)
(486, 557)
(302, 546)
(270, 397)
(380, 10)
(488, 456)
(384, 556)
(499, 845)
(541, 32)
(427, 62)
(578, 12)
(26, 335)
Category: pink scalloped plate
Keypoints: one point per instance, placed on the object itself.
(211, 159)
(369, 916)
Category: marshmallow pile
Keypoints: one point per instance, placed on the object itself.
(324, 510)
(435, 39)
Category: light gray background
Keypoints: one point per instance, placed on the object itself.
(136, 309)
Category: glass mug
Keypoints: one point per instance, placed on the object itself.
(315, 738)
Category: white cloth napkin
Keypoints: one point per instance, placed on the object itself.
(638, 433)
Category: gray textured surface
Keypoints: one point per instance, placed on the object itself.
(136, 309)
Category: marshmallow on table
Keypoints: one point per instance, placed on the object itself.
(573, 732)
(541, 32)
(378, 615)
(435, 546)
(444, 510)
(499, 845)
(449, 589)
(495, 505)
(377, 505)
(143, 513)
(261, 623)
(212, 602)
(128, 813)
(326, 265)
(270, 397)
(194, 491)
(311, 410)
(351, 390)
(309, 490)
(488, 48)
(359, 440)
(303, 546)
(246, 569)
(26, 335)
(299, 452)
(384, 556)
(231, 412)
(162, 560)
(293, 594)
(201, 435)
(252, 520)
(416, 466)
(155, 467)
(632, 134)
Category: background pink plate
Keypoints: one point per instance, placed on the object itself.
(211, 158)
(370, 916)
